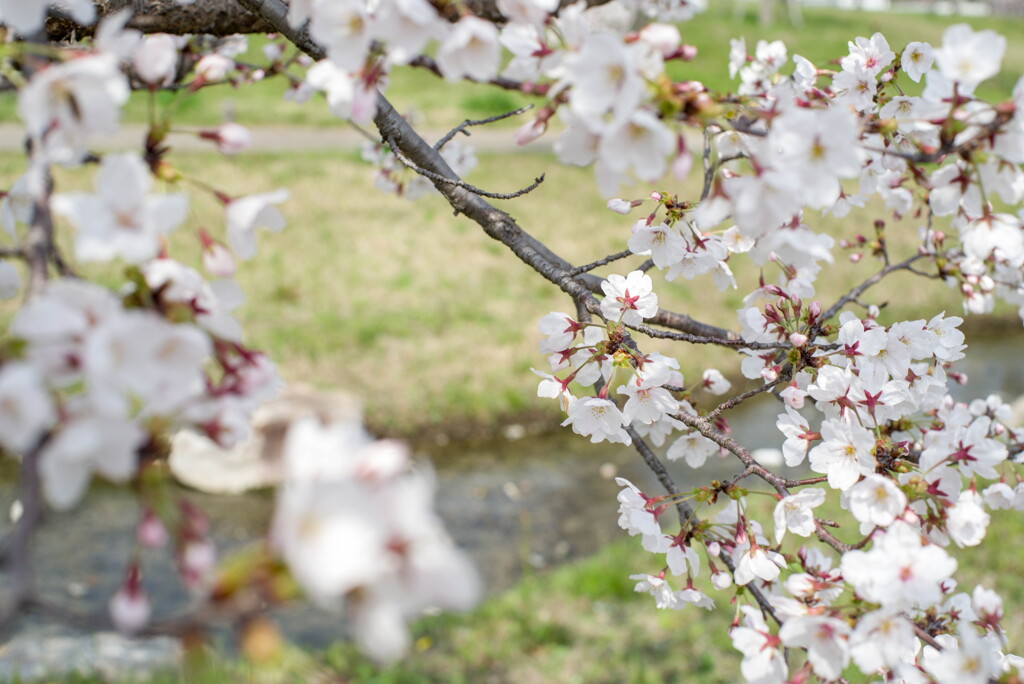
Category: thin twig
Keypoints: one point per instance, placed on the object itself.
(438, 178)
(737, 343)
(778, 483)
(600, 262)
(686, 513)
(856, 292)
(363, 132)
(740, 398)
(461, 128)
(803, 483)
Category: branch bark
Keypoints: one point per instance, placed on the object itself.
(214, 17)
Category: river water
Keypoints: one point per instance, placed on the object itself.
(533, 502)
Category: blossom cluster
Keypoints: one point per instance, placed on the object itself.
(94, 380)
(355, 524)
(866, 404)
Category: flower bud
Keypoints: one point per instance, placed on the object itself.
(214, 67)
(231, 138)
(196, 562)
(662, 37)
(217, 260)
(530, 131)
(620, 206)
(129, 607)
(151, 532)
(156, 59)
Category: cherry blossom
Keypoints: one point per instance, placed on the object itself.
(68, 105)
(917, 58)
(844, 455)
(825, 639)
(599, 419)
(121, 219)
(900, 571)
(629, 299)
(875, 501)
(26, 408)
(246, 214)
(763, 660)
(471, 49)
(793, 513)
(969, 57)
(155, 59)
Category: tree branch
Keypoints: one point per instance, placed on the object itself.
(18, 546)
(686, 513)
(495, 223)
(213, 17)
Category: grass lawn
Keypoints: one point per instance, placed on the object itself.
(422, 315)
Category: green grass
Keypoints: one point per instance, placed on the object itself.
(418, 312)
(824, 38)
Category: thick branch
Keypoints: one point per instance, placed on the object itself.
(214, 17)
(17, 547)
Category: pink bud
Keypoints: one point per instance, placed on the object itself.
(156, 59)
(798, 339)
(662, 37)
(232, 138)
(214, 67)
(129, 607)
(151, 532)
(217, 260)
(530, 131)
(620, 206)
(196, 562)
(273, 51)
(856, 257)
